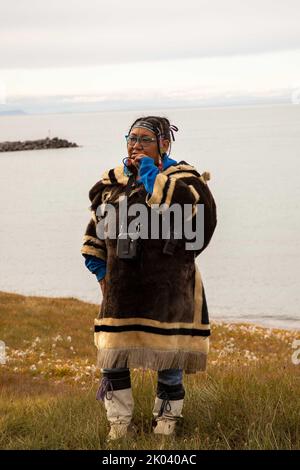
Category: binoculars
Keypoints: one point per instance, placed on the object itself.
(128, 247)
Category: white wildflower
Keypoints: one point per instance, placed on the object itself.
(57, 338)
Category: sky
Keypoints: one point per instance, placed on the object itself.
(96, 50)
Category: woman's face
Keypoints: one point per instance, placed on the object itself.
(150, 150)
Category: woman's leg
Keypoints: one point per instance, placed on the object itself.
(115, 391)
(170, 376)
(169, 401)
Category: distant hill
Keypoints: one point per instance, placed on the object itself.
(187, 99)
(12, 112)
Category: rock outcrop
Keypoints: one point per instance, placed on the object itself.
(47, 143)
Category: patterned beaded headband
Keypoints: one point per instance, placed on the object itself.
(146, 125)
(152, 128)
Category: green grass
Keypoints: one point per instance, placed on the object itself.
(248, 398)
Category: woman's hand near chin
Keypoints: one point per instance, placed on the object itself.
(136, 158)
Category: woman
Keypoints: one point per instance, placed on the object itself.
(154, 313)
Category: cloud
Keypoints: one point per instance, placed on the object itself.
(73, 33)
(187, 78)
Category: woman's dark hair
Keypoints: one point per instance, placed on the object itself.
(159, 125)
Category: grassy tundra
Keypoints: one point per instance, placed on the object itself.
(249, 398)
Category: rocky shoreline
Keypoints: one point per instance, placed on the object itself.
(40, 144)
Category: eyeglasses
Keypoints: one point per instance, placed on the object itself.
(144, 140)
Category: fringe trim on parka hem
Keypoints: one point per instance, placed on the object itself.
(190, 362)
